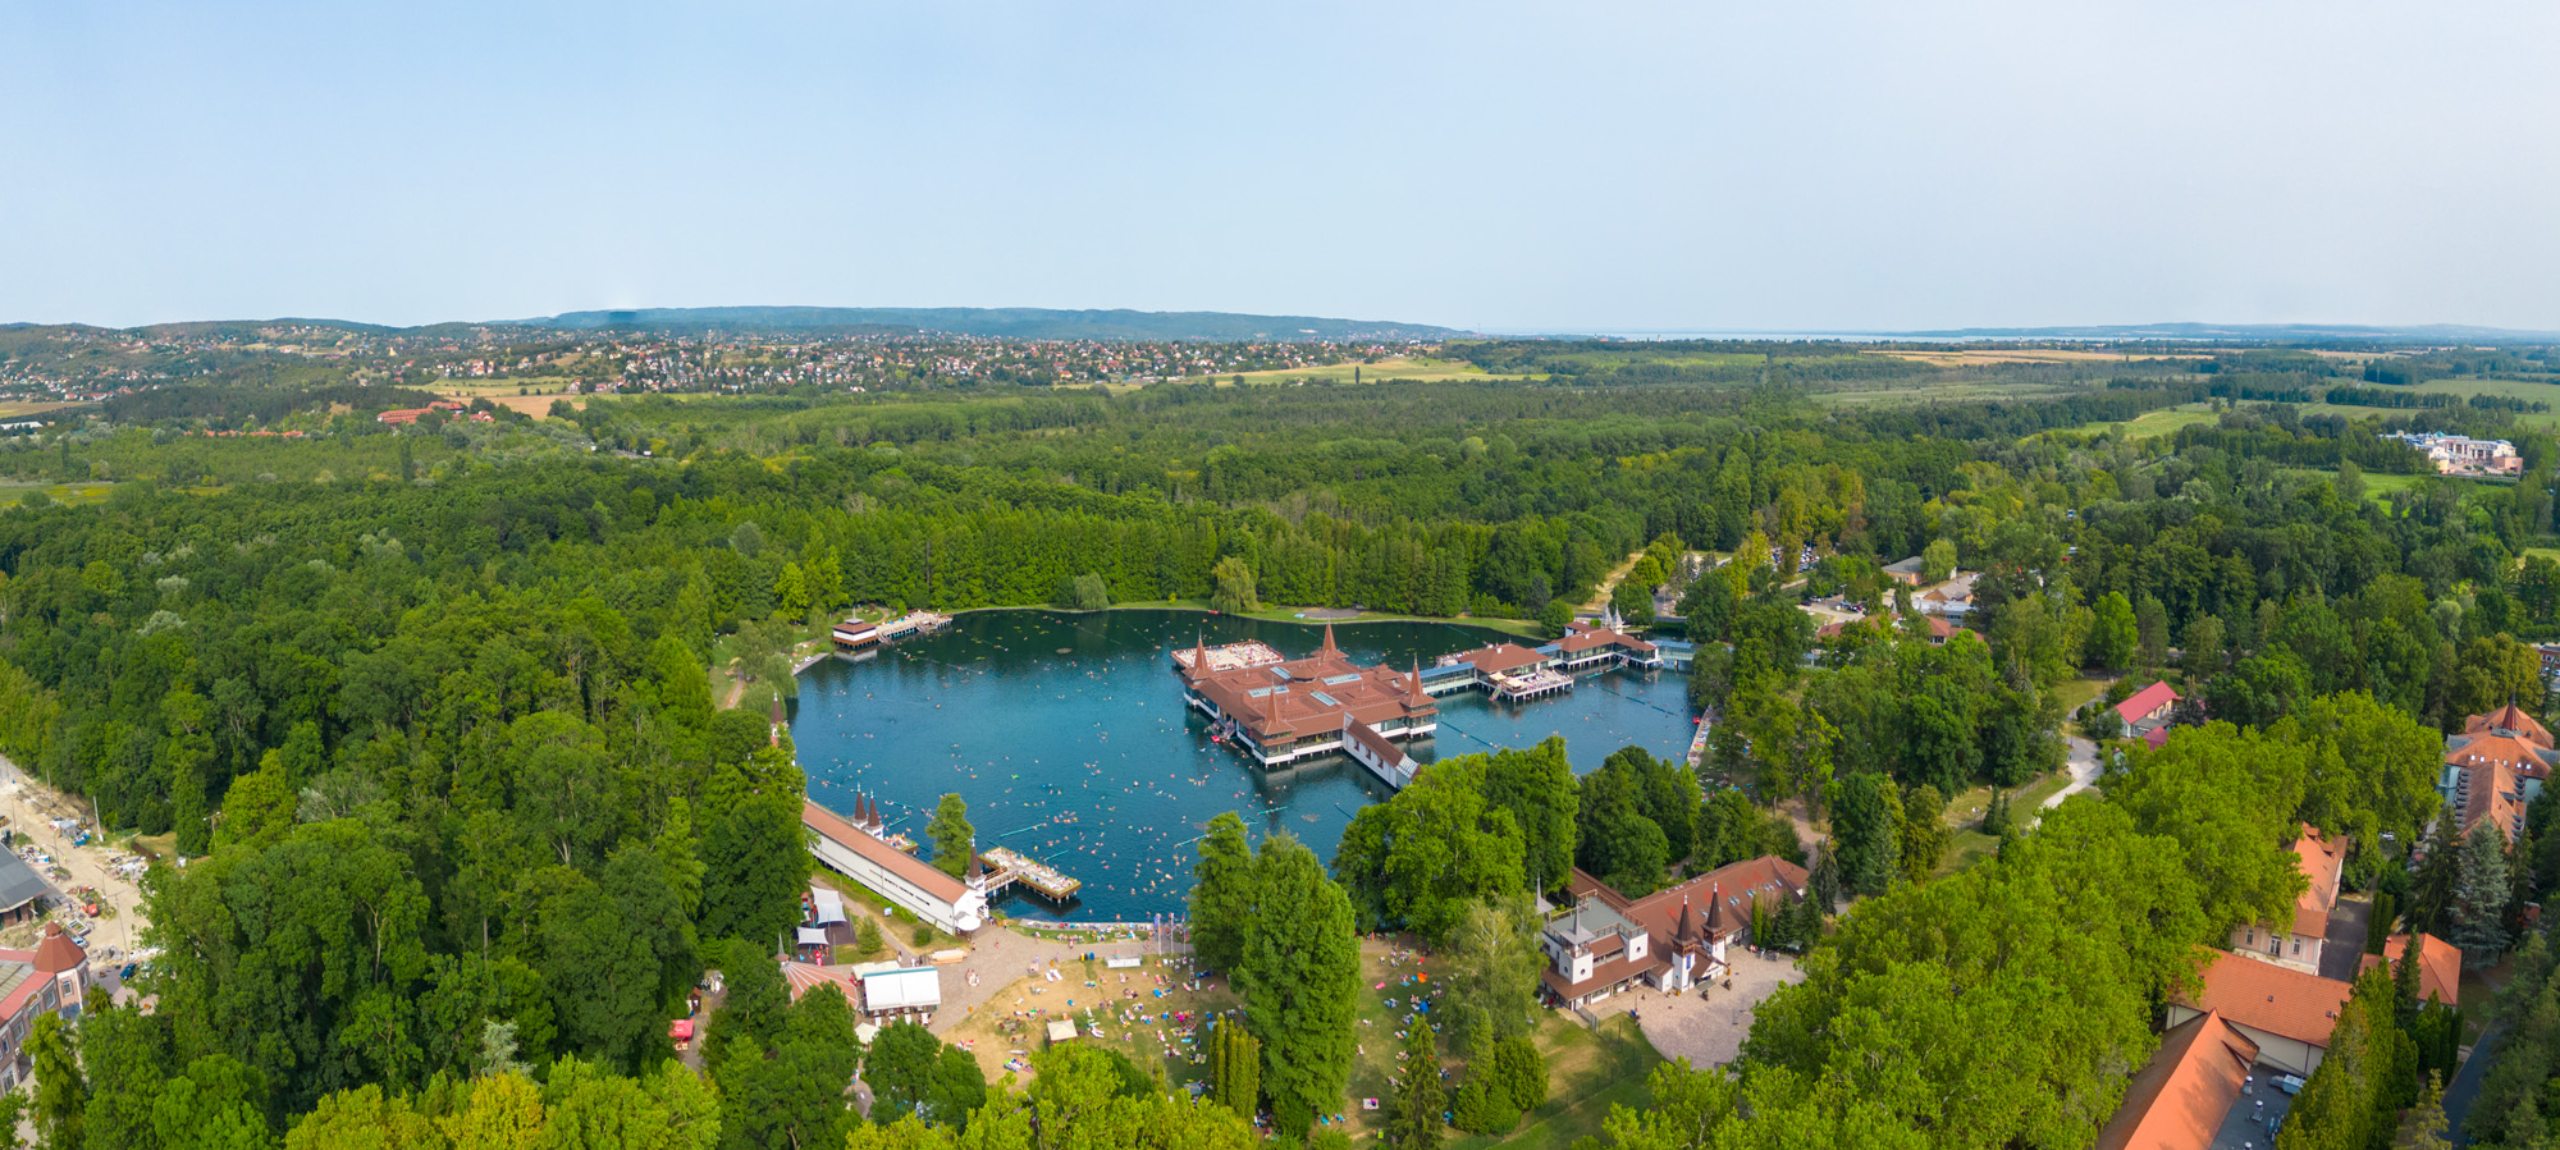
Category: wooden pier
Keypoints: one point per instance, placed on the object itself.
(1006, 867)
(1537, 684)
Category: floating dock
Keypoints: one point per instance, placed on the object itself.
(1229, 657)
(1006, 867)
(863, 632)
(1536, 684)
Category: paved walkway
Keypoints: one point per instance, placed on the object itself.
(1001, 957)
(1705, 1028)
(2342, 949)
(2083, 765)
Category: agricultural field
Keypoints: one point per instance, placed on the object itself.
(2524, 389)
(1924, 390)
(511, 393)
(20, 409)
(1420, 368)
(1965, 357)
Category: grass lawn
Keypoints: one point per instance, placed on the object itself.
(1588, 1072)
(1968, 845)
(11, 492)
(2479, 991)
(1125, 1010)
(1522, 627)
(1965, 848)
(897, 931)
(2074, 692)
(2378, 487)
(2151, 424)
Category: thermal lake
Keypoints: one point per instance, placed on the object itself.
(1067, 735)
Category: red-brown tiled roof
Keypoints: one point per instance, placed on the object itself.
(2274, 999)
(1501, 657)
(56, 952)
(2145, 701)
(2509, 718)
(2319, 860)
(915, 870)
(1373, 742)
(1725, 896)
(2439, 967)
(2177, 1101)
(1287, 706)
(804, 977)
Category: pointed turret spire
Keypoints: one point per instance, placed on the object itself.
(1715, 909)
(1687, 931)
(1415, 697)
(1329, 648)
(1199, 656)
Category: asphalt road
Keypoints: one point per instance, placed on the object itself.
(2466, 1087)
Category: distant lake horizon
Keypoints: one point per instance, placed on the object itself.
(1067, 735)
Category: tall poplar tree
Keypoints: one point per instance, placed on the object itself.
(1222, 895)
(1420, 1099)
(1300, 975)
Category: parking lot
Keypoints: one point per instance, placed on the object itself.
(117, 930)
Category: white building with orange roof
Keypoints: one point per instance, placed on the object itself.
(2288, 1013)
(2178, 1100)
(2297, 943)
(2494, 768)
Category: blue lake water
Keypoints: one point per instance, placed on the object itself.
(1067, 735)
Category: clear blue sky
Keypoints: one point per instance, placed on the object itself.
(1556, 166)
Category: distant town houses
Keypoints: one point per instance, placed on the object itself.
(2463, 455)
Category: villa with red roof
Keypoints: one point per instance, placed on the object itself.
(2287, 1012)
(2146, 714)
(2439, 967)
(2297, 943)
(1671, 940)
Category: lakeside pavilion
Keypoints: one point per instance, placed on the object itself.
(1283, 711)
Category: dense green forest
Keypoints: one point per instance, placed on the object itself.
(431, 710)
